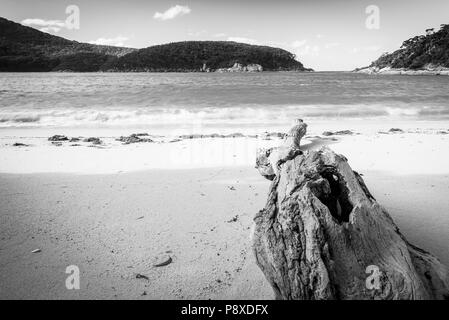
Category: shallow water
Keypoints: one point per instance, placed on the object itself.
(169, 101)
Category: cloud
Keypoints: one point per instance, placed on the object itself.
(243, 40)
(118, 41)
(220, 35)
(172, 13)
(45, 25)
(50, 29)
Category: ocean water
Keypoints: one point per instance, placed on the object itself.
(213, 102)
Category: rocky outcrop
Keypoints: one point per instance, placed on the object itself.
(93, 140)
(238, 67)
(337, 133)
(439, 71)
(134, 138)
(58, 138)
(20, 144)
(322, 235)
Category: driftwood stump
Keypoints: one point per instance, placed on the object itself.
(322, 235)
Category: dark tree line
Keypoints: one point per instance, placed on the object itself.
(194, 55)
(26, 49)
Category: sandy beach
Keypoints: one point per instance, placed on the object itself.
(221, 150)
(192, 201)
(114, 227)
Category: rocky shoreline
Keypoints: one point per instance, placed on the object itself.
(142, 138)
(392, 71)
(238, 67)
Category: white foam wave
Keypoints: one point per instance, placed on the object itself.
(208, 116)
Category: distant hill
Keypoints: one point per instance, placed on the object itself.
(205, 55)
(26, 49)
(425, 53)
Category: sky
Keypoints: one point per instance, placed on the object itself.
(323, 34)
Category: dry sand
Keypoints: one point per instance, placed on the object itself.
(116, 225)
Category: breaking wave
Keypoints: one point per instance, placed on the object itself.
(250, 100)
(208, 116)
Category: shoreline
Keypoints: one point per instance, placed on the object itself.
(104, 152)
(393, 71)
